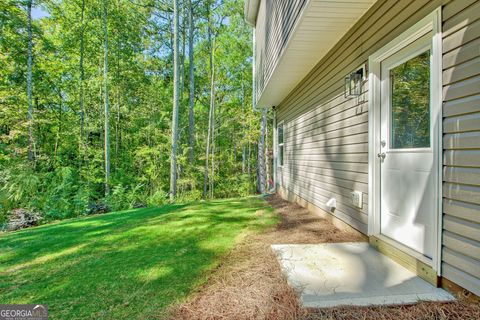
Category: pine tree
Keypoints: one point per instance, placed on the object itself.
(176, 102)
(106, 102)
(31, 141)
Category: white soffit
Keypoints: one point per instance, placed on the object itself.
(251, 11)
(321, 25)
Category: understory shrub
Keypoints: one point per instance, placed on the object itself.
(60, 191)
(158, 198)
(189, 196)
(235, 186)
(68, 191)
(125, 197)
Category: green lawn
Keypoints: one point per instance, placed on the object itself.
(124, 265)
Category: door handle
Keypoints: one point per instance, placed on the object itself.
(382, 155)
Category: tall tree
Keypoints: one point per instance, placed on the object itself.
(261, 171)
(244, 147)
(266, 156)
(191, 98)
(176, 102)
(31, 141)
(82, 78)
(106, 102)
(212, 106)
(211, 113)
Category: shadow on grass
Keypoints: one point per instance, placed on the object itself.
(123, 265)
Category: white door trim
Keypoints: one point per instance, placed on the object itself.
(431, 23)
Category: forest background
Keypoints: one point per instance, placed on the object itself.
(114, 104)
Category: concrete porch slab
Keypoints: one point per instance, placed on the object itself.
(335, 274)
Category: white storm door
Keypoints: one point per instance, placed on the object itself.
(407, 167)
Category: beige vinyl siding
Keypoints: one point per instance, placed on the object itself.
(326, 135)
(275, 22)
(461, 142)
(326, 148)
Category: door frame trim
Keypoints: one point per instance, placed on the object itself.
(431, 23)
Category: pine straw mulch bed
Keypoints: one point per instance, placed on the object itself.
(250, 285)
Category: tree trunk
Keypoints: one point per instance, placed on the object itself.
(107, 107)
(82, 77)
(117, 129)
(207, 152)
(244, 151)
(31, 141)
(182, 30)
(176, 100)
(267, 160)
(117, 98)
(191, 102)
(261, 174)
(211, 116)
(181, 34)
(212, 175)
(248, 161)
(212, 104)
(234, 140)
(244, 159)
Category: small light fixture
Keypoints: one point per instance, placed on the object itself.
(354, 83)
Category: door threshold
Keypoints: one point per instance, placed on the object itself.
(411, 252)
(407, 257)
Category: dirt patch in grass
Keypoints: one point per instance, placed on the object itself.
(249, 284)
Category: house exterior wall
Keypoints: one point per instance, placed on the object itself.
(461, 142)
(326, 135)
(275, 22)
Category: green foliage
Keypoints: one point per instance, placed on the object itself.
(125, 197)
(20, 186)
(158, 198)
(81, 200)
(61, 190)
(68, 173)
(56, 194)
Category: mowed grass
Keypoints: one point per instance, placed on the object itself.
(124, 265)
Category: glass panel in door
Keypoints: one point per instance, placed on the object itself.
(410, 103)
